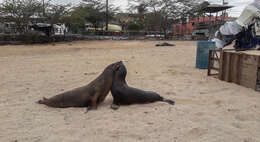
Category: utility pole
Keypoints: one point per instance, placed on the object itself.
(224, 12)
(43, 8)
(107, 15)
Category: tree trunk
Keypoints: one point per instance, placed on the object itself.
(165, 34)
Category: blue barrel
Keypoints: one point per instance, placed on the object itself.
(203, 48)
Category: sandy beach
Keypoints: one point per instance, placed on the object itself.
(206, 109)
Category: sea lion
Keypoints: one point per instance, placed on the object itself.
(126, 95)
(87, 96)
(165, 44)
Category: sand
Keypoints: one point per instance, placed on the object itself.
(206, 110)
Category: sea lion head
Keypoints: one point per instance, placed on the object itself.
(113, 67)
(121, 71)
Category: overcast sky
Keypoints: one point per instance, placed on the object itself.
(239, 4)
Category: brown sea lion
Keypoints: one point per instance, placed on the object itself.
(126, 95)
(87, 96)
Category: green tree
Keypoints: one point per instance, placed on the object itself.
(56, 13)
(95, 16)
(134, 27)
(162, 13)
(20, 12)
(96, 12)
(199, 11)
(76, 19)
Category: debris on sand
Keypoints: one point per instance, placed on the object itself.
(165, 44)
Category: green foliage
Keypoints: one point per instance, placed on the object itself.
(92, 11)
(56, 13)
(94, 16)
(1, 28)
(75, 21)
(24, 12)
(159, 15)
(201, 7)
(135, 27)
(20, 11)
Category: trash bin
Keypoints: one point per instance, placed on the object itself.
(203, 48)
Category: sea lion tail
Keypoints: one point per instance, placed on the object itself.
(43, 101)
(168, 101)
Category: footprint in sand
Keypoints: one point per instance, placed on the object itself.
(245, 117)
(174, 72)
(249, 140)
(170, 93)
(187, 101)
(199, 113)
(233, 110)
(195, 133)
(237, 125)
(218, 103)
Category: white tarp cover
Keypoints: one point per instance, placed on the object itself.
(256, 3)
(232, 28)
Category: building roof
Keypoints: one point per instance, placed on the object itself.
(213, 8)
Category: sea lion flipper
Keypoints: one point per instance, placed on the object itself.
(93, 105)
(90, 108)
(86, 111)
(43, 101)
(114, 106)
(169, 101)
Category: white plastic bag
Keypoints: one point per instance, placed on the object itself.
(230, 28)
(219, 43)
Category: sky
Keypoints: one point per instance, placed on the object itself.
(239, 5)
(235, 12)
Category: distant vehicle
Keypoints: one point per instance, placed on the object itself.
(49, 30)
(155, 36)
(59, 29)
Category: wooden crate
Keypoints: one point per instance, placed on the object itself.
(241, 68)
(214, 61)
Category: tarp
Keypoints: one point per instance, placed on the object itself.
(43, 25)
(213, 8)
(114, 28)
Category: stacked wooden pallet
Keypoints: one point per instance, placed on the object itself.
(242, 68)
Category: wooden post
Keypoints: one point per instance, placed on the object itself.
(257, 73)
(106, 15)
(209, 62)
(220, 74)
(227, 67)
(240, 68)
(236, 69)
